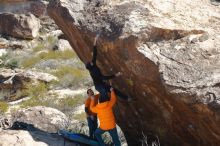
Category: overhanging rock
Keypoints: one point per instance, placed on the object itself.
(169, 54)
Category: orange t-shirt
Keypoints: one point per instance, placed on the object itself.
(88, 102)
(105, 112)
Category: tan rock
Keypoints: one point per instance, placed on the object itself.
(19, 25)
(31, 138)
(43, 118)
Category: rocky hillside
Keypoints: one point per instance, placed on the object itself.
(168, 52)
(38, 67)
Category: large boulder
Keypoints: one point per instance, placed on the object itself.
(169, 54)
(19, 25)
(43, 118)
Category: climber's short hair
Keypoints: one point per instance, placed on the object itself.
(89, 90)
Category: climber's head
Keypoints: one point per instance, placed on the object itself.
(89, 65)
(90, 92)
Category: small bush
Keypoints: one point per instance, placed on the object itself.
(67, 54)
(30, 62)
(12, 64)
(37, 93)
(38, 90)
(46, 44)
(39, 97)
(71, 101)
(51, 40)
(3, 107)
(70, 76)
(4, 57)
(39, 47)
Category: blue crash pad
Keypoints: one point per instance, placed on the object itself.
(78, 138)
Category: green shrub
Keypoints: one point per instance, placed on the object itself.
(74, 72)
(4, 57)
(67, 54)
(51, 40)
(39, 97)
(31, 61)
(37, 93)
(38, 90)
(3, 107)
(71, 101)
(39, 47)
(46, 44)
(12, 64)
(70, 76)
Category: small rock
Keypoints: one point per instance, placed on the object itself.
(3, 52)
(63, 45)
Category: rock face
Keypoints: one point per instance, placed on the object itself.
(44, 118)
(31, 138)
(19, 25)
(38, 7)
(169, 54)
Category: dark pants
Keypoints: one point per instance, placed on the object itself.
(104, 89)
(112, 132)
(93, 124)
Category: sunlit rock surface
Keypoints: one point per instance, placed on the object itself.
(169, 54)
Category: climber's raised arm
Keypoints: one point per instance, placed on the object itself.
(94, 57)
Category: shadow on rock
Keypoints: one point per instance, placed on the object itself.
(50, 139)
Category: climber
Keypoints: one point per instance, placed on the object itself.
(106, 117)
(99, 79)
(91, 117)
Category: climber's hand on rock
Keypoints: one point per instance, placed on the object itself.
(96, 38)
(110, 82)
(118, 74)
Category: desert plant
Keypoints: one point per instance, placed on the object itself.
(70, 76)
(3, 107)
(67, 54)
(31, 61)
(36, 92)
(40, 46)
(11, 64)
